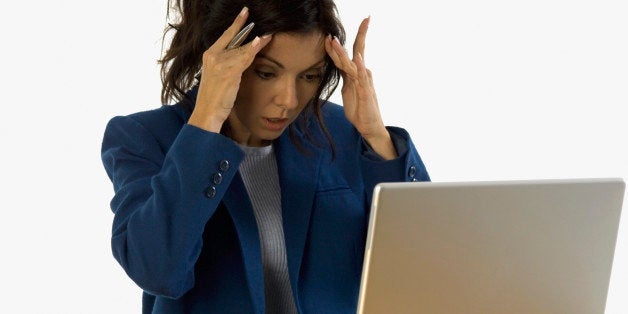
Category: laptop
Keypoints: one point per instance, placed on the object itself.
(524, 246)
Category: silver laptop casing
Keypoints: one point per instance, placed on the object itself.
(535, 246)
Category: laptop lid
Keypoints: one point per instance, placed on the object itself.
(531, 246)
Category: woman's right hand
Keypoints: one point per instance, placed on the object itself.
(221, 73)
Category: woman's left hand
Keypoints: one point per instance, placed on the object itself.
(358, 93)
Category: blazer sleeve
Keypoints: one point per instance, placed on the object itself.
(407, 167)
(163, 199)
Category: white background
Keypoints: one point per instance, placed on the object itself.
(488, 90)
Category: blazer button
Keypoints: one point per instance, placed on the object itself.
(217, 178)
(415, 180)
(223, 165)
(412, 171)
(210, 192)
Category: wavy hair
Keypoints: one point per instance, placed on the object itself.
(199, 23)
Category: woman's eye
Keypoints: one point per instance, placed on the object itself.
(264, 75)
(311, 77)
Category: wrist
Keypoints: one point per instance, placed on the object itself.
(382, 144)
(377, 136)
(206, 122)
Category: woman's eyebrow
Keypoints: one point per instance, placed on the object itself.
(281, 66)
(318, 64)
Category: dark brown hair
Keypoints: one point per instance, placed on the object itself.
(199, 23)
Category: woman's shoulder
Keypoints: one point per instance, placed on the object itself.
(160, 124)
(166, 114)
(334, 117)
(342, 131)
(162, 118)
(332, 110)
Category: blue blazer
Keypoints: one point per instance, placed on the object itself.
(184, 228)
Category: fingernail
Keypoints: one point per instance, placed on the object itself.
(337, 40)
(243, 12)
(266, 36)
(255, 42)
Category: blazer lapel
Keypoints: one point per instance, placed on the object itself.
(237, 201)
(298, 174)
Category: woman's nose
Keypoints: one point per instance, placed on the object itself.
(286, 96)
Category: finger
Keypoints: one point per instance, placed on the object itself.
(256, 45)
(331, 52)
(363, 76)
(360, 38)
(334, 57)
(242, 57)
(237, 59)
(232, 31)
(343, 62)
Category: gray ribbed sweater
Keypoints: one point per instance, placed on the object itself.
(261, 179)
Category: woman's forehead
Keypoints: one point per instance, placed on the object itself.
(299, 50)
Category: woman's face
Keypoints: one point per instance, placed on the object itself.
(276, 87)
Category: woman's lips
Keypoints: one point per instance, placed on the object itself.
(275, 124)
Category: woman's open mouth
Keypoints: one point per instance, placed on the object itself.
(275, 124)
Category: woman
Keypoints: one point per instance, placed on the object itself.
(251, 194)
